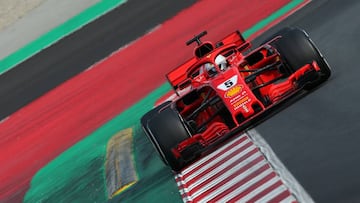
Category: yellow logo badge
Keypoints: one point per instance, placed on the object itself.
(233, 91)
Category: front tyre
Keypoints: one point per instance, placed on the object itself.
(166, 130)
(297, 49)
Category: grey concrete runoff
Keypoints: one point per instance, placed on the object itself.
(22, 21)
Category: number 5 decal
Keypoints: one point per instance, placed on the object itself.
(229, 83)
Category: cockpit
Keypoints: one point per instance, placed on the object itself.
(210, 69)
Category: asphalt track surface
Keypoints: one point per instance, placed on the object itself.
(316, 137)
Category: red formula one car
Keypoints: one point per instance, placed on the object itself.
(226, 88)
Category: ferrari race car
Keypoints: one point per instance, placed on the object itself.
(226, 88)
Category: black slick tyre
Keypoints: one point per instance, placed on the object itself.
(165, 130)
(297, 49)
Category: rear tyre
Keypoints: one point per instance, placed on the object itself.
(297, 49)
(166, 130)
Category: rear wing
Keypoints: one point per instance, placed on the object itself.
(178, 78)
(233, 38)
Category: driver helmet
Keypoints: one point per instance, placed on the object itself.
(220, 60)
(210, 68)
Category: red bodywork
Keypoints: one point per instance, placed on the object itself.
(217, 102)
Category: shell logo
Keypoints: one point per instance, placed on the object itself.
(233, 91)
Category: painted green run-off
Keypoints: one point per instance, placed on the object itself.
(77, 175)
(58, 33)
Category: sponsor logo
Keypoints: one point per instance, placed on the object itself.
(233, 91)
(242, 104)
